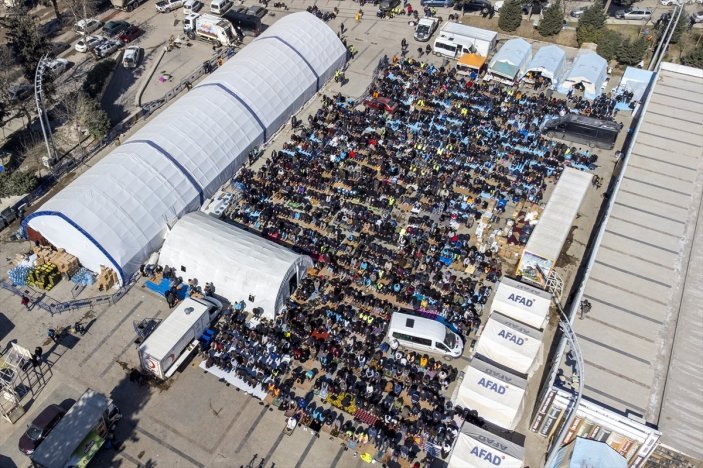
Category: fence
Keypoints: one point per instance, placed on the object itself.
(53, 306)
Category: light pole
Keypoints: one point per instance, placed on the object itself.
(41, 110)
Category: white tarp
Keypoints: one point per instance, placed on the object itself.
(238, 263)
(589, 70)
(550, 62)
(498, 396)
(478, 448)
(511, 344)
(547, 240)
(521, 302)
(117, 213)
(511, 60)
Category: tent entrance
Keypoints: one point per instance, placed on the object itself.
(292, 284)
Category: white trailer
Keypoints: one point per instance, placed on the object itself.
(456, 39)
(177, 337)
(210, 28)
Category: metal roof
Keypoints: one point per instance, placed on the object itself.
(470, 31)
(56, 449)
(643, 286)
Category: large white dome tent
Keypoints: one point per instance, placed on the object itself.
(241, 265)
(117, 212)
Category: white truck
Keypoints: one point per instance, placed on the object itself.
(456, 39)
(162, 353)
(210, 28)
(126, 5)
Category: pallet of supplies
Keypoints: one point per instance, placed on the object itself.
(107, 278)
(44, 276)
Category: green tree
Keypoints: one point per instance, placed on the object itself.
(552, 21)
(694, 58)
(510, 16)
(591, 23)
(17, 183)
(95, 78)
(632, 52)
(91, 116)
(608, 43)
(680, 28)
(27, 45)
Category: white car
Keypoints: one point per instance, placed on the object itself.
(670, 2)
(697, 17)
(132, 56)
(56, 67)
(192, 6)
(88, 43)
(87, 26)
(107, 47)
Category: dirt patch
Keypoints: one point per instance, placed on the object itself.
(526, 30)
(564, 258)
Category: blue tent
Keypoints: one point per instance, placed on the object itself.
(589, 70)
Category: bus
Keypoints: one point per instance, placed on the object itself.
(582, 129)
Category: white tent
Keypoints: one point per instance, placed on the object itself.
(117, 212)
(510, 62)
(589, 70)
(478, 448)
(550, 62)
(510, 344)
(547, 240)
(636, 81)
(241, 265)
(498, 396)
(521, 302)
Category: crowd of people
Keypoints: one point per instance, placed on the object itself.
(387, 198)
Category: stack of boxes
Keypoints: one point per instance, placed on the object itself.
(107, 278)
(65, 262)
(44, 276)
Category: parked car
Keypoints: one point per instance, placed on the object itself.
(192, 6)
(50, 28)
(87, 26)
(132, 57)
(382, 103)
(578, 12)
(88, 43)
(55, 48)
(164, 6)
(634, 14)
(697, 17)
(388, 5)
(57, 67)
(108, 47)
(130, 34)
(425, 28)
(484, 6)
(40, 428)
(437, 3)
(670, 2)
(113, 28)
(258, 11)
(20, 92)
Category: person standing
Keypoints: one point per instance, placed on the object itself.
(25, 301)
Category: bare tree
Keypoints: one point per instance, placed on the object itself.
(81, 9)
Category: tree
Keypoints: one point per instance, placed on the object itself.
(552, 21)
(694, 58)
(81, 9)
(17, 183)
(591, 23)
(680, 28)
(90, 115)
(57, 12)
(27, 45)
(608, 43)
(510, 16)
(632, 52)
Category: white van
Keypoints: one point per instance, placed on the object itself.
(424, 334)
(220, 7)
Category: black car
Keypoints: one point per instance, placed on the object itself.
(114, 27)
(484, 6)
(20, 92)
(388, 5)
(40, 428)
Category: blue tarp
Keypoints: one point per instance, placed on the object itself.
(592, 453)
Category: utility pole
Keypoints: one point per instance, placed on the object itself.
(50, 159)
